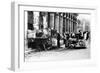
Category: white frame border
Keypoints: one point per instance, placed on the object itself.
(15, 58)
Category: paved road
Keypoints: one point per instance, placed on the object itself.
(57, 54)
(61, 53)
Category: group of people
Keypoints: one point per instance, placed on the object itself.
(75, 37)
(65, 37)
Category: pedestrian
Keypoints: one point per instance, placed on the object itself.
(64, 38)
(58, 40)
(67, 40)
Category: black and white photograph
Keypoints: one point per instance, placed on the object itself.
(56, 34)
(53, 36)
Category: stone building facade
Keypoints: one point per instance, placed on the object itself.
(60, 21)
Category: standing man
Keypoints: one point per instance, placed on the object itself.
(67, 40)
(58, 40)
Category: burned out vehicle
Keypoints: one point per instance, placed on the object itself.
(76, 42)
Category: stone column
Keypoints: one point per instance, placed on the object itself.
(57, 22)
(72, 21)
(61, 23)
(36, 20)
(45, 21)
(52, 20)
(73, 26)
(75, 23)
(68, 22)
(45, 24)
(64, 22)
(48, 19)
(40, 19)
